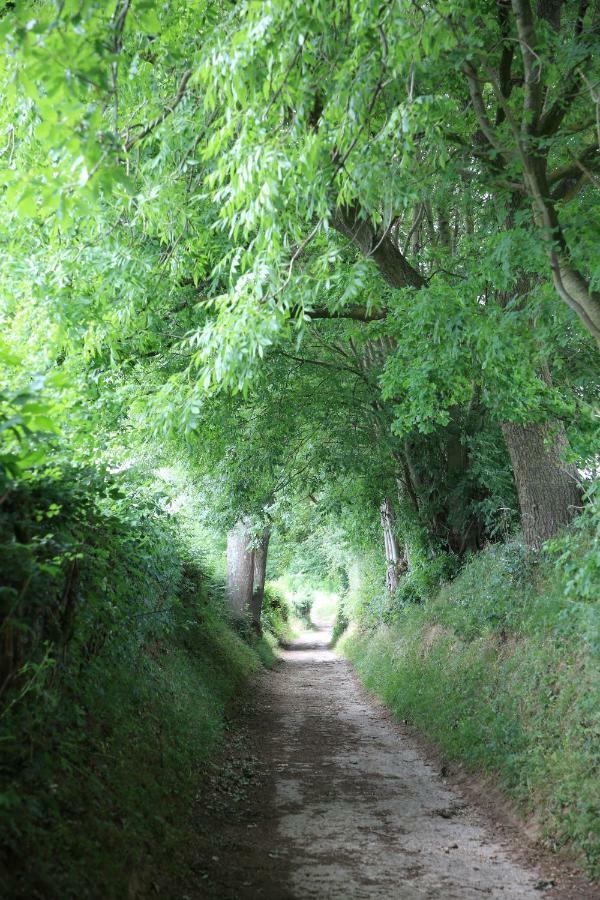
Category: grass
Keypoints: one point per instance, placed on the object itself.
(115, 762)
(117, 670)
(500, 668)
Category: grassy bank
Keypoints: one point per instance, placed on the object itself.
(118, 665)
(500, 668)
(117, 761)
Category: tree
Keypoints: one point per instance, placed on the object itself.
(321, 175)
(260, 571)
(240, 569)
(396, 562)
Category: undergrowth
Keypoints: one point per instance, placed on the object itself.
(500, 668)
(117, 668)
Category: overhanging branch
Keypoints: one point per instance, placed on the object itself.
(172, 106)
(378, 246)
(356, 313)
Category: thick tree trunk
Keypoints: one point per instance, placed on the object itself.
(548, 488)
(260, 571)
(240, 570)
(396, 562)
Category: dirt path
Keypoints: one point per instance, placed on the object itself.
(344, 806)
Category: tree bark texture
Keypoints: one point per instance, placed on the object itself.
(240, 570)
(548, 488)
(396, 562)
(260, 571)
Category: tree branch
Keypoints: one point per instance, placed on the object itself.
(118, 24)
(284, 81)
(531, 64)
(356, 313)
(569, 179)
(551, 121)
(149, 128)
(381, 248)
(479, 109)
(506, 58)
(573, 168)
(578, 177)
(319, 362)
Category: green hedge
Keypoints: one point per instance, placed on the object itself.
(117, 668)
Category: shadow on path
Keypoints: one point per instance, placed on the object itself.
(343, 806)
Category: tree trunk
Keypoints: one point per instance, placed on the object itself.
(396, 563)
(463, 533)
(260, 571)
(240, 569)
(548, 488)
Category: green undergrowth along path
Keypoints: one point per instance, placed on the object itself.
(500, 668)
(118, 667)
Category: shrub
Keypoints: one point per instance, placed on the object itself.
(117, 667)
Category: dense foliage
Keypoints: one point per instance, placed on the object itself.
(324, 271)
(117, 667)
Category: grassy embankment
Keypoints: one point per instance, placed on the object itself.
(118, 668)
(500, 668)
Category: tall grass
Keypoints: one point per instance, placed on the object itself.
(500, 667)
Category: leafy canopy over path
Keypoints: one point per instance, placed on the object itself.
(321, 276)
(191, 186)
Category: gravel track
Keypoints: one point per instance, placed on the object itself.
(359, 812)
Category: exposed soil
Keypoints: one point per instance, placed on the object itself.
(324, 796)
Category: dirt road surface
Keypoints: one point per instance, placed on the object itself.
(343, 806)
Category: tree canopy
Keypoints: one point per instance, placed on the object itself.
(376, 221)
(316, 281)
